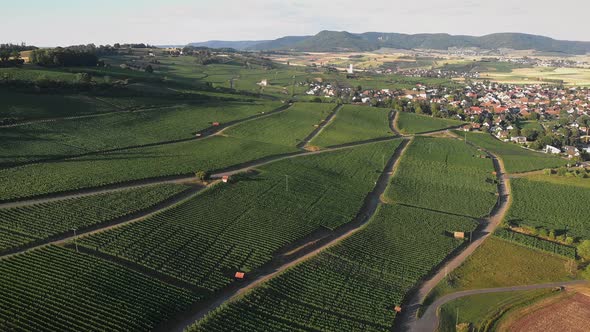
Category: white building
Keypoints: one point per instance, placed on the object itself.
(552, 150)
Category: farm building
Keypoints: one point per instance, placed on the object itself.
(225, 179)
(240, 275)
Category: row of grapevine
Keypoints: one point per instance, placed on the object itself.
(411, 123)
(22, 225)
(353, 286)
(57, 289)
(536, 243)
(240, 225)
(445, 175)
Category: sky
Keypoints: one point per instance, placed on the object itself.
(178, 22)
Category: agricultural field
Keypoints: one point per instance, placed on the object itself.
(411, 123)
(500, 263)
(537, 75)
(239, 226)
(354, 124)
(353, 286)
(553, 203)
(55, 139)
(445, 175)
(67, 291)
(536, 243)
(184, 158)
(484, 312)
(23, 225)
(516, 159)
(288, 128)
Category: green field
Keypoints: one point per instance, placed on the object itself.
(516, 159)
(23, 225)
(78, 136)
(444, 175)
(66, 291)
(410, 123)
(183, 158)
(239, 226)
(353, 286)
(354, 124)
(541, 201)
(536, 243)
(287, 128)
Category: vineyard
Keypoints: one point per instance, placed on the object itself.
(353, 286)
(56, 289)
(353, 124)
(411, 123)
(183, 158)
(286, 128)
(562, 207)
(239, 226)
(23, 225)
(119, 130)
(536, 243)
(516, 159)
(445, 175)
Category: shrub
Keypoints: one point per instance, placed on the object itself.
(202, 175)
(584, 249)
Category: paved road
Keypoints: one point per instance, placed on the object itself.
(430, 320)
(407, 319)
(364, 215)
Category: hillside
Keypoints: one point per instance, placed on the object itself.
(329, 41)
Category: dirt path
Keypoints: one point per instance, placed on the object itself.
(430, 319)
(372, 201)
(393, 115)
(61, 239)
(329, 119)
(407, 320)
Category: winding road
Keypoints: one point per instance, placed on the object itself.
(430, 319)
(407, 320)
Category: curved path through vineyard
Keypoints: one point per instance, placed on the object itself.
(407, 320)
(430, 319)
(369, 207)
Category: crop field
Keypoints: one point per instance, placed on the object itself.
(183, 158)
(353, 286)
(569, 76)
(77, 136)
(23, 225)
(287, 128)
(67, 291)
(516, 159)
(239, 226)
(353, 124)
(559, 206)
(536, 243)
(444, 175)
(410, 123)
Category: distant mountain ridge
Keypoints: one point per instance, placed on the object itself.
(334, 41)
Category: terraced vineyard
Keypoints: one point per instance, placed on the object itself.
(112, 131)
(287, 128)
(353, 286)
(239, 226)
(445, 175)
(66, 291)
(353, 124)
(183, 158)
(536, 243)
(516, 159)
(23, 225)
(562, 206)
(411, 123)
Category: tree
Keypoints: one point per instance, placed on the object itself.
(418, 108)
(202, 175)
(584, 249)
(149, 69)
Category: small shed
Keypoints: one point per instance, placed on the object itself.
(215, 124)
(459, 235)
(198, 135)
(397, 308)
(240, 275)
(225, 179)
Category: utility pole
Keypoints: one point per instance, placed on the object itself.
(75, 240)
(457, 320)
(286, 183)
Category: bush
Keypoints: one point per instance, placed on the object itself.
(547, 171)
(569, 240)
(202, 175)
(584, 249)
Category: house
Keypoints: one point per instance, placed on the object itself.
(518, 139)
(225, 179)
(240, 275)
(552, 150)
(571, 151)
(502, 134)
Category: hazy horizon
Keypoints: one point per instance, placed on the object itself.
(178, 22)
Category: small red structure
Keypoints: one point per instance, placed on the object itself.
(225, 179)
(240, 275)
(215, 124)
(397, 308)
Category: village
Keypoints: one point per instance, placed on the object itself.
(540, 117)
